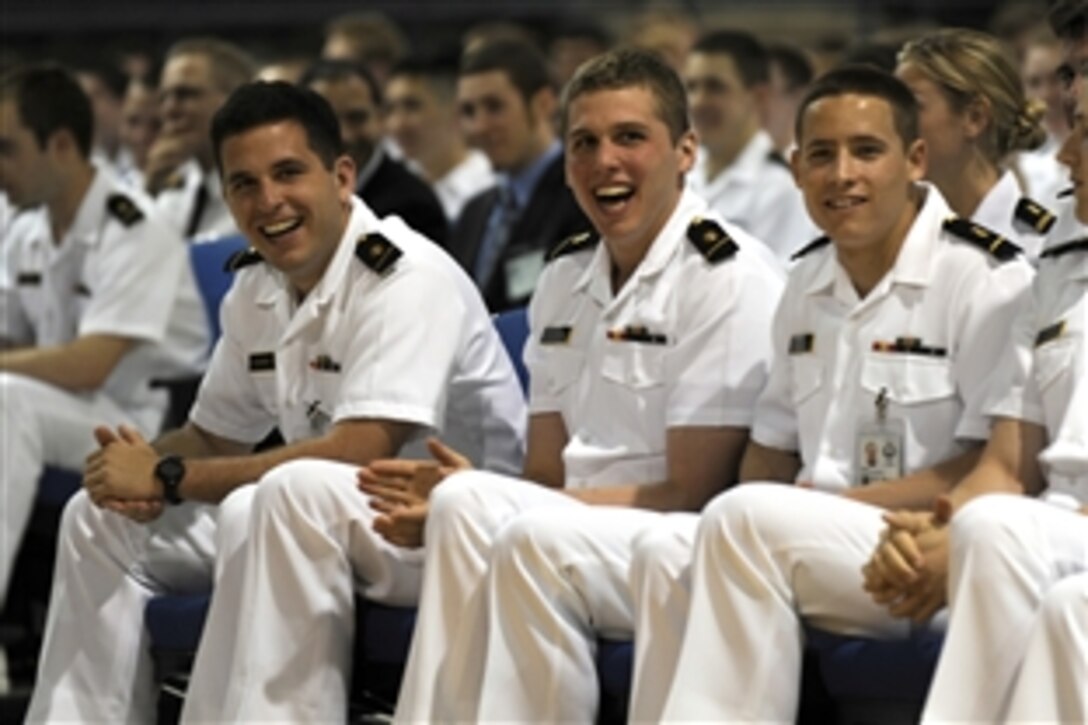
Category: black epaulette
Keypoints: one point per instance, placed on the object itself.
(711, 240)
(242, 258)
(1065, 248)
(1034, 215)
(570, 245)
(998, 246)
(776, 158)
(121, 207)
(377, 252)
(812, 246)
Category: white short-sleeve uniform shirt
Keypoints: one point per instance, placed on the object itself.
(1043, 376)
(929, 334)
(685, 342)
(758, 194)
(118, 271)
(412, 343)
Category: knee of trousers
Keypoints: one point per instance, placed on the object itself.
(16, 392)
(659, 555)
(534, 536)
(458, 502)
(82, 521)
(988, 526)
(1065, 602)
(749, 510)
(299, 486)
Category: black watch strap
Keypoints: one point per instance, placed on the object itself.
(170, 470)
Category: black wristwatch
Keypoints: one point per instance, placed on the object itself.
(170, 470)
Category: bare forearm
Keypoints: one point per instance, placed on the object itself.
(83, 364)
(989, 476)
(211, 479)
(918, 490)
(190, 441)
(761, 463)
(654, 496)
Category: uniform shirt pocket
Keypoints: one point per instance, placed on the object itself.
(909, 379)
(634, 364)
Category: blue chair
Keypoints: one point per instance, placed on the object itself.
(513, 327)
(876, 680)
(213, 280)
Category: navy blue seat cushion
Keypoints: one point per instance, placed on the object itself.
(863, 668)
(57, 485)
(384, 633)
(175, 621)
(614, 663)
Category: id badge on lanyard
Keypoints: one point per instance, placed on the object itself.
(879, 453)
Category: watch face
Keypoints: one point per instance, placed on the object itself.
(170, 469)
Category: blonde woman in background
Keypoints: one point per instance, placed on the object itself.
(973, 115)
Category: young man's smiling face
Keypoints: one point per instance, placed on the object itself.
(622, 166)
(856, 172)
(289, 205)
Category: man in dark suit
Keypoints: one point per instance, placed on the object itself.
(385, 184)
(508, 104)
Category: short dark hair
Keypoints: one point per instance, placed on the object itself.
(259, 104)
(335, 71)
(747, 53)
(522, 63)
(627, 68)
(1069, 19)
(49, 99)
(439, 71)
(794, 64)
(865, 80)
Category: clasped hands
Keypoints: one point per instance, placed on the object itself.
(908, 572)
(399, 491)
(120, 475)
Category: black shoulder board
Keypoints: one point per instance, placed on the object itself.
(1034, 215)
(998, 246)
(711, 240)
(776, 158)
(1075, 246)
(810, 247)
(242, 258)
(570, 245)
(121, 207)
(377, 252)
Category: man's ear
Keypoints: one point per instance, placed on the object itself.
(344, 170)
(917, 159)
(543, 104)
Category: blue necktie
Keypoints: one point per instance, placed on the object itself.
(499, 225)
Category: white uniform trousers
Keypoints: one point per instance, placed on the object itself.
(441, 680)
(1007, 554)
(95, 664)
(768, 556)
(278, 642)
(558, 579)
(41, 425)
(661, 594)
